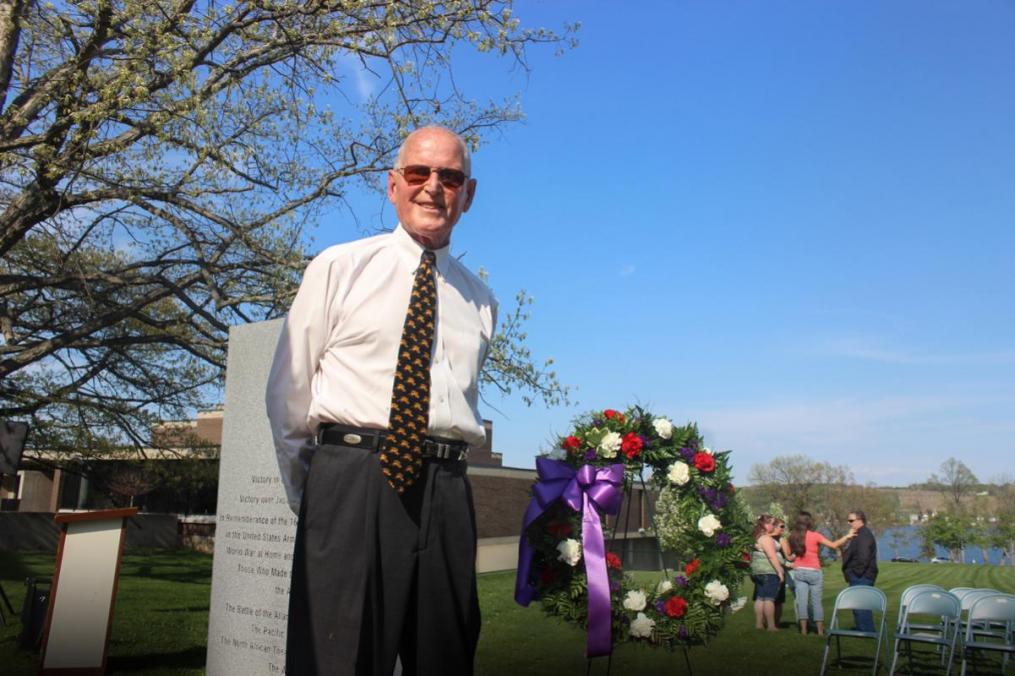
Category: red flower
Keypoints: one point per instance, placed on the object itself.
(559, 529)
(631, 445)
(746, 556)
(546, 575)
(612, 560)
(571, 444)
(613, 415)
(676, 606)
(692, 566)
(704, 462)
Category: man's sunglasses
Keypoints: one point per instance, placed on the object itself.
(418, 174)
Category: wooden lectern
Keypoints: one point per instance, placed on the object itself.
(80, 616)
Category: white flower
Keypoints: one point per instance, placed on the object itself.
(641, 626)
(635, 600)
(609, 445)
(664, 428)
(717, 592)
(570, 551)
(709, 524)
(679, 473)
(706, 449)
(663, 587)
(738, 604)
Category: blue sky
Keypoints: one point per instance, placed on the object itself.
(791, 222)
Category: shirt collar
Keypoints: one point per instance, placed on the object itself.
(412, 248)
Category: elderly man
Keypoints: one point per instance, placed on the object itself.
(373, 400)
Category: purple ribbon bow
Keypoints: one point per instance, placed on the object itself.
(587, 490)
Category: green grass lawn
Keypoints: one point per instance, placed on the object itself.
(162, 620)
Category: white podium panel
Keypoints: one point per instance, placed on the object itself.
(80, 615)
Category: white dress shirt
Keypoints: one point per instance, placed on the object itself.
(335, 360)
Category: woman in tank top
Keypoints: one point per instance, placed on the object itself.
(766, 572)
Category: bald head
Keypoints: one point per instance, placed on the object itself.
(435, 129)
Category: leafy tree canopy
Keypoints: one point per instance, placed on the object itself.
(161, 163)
(829, 492)
(956, 482)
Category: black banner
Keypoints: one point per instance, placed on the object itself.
(12, 443)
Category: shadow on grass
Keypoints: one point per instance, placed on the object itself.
(168, 566)
(857, 662)
(190, 658)
(16, 566)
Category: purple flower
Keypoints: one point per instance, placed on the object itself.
(680, 581)
(615, 585)
(712, 497)
(723, 540)
(682, 632)
(590, 454)
(597, 422)
(661, 607)
(644, 441)
(687, 453)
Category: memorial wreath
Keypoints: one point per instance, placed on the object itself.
(563, 557)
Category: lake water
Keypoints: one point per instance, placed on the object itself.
(906, 541)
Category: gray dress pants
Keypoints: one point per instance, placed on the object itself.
(377, 575)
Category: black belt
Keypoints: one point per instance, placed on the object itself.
(374, 440)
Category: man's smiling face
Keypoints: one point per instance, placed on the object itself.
(430, 210)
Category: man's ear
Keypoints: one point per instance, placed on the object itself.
(470, 193)
(391, 186)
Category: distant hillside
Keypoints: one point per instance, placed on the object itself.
(911, 500)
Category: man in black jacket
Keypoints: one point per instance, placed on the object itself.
(860, 564)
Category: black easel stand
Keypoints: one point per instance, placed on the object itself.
(4, 601)
(662, 566)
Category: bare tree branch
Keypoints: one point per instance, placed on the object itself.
(160, 162)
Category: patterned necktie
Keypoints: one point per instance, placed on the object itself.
(410, 395)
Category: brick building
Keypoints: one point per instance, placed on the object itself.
(501, 494)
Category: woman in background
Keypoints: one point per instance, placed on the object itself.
(785, 558)
(766, 572)
(804, 543)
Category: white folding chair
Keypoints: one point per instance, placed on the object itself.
(961, 591)
(907, 594)
(968, 599)
(987, 629)
(856, 598)
(999, 608)
(943, 606)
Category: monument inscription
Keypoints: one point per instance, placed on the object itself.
(255, 529)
